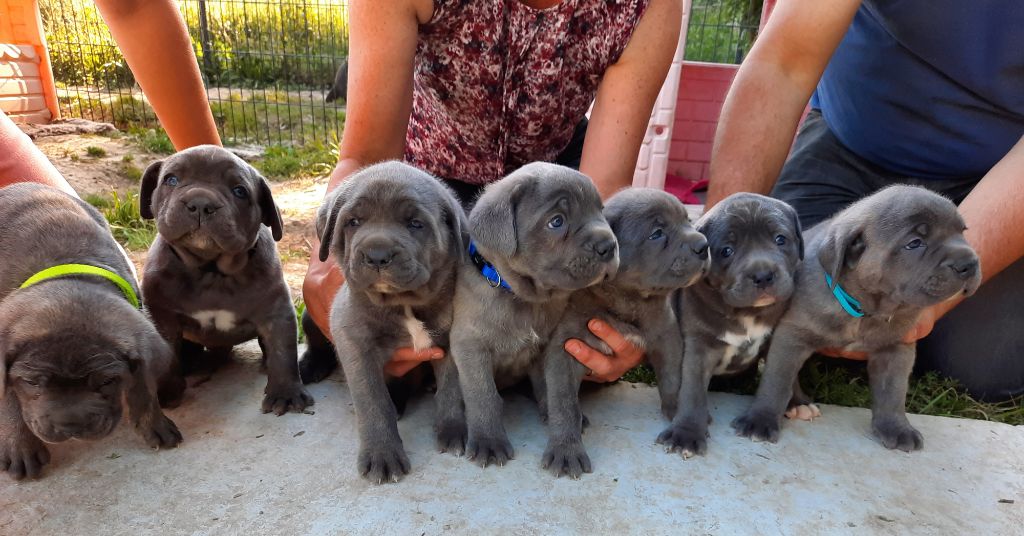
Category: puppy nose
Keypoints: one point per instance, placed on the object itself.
(763, 279)
(699, 248)
(378, 257)
(201, 204)
(605, 248)
(965, 268)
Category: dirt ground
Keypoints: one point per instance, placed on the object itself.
(297, 199)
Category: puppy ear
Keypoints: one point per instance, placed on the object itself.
(492, 223)
(149, 182)
(271, 215)
(454, 216)
(842, 248)
(794, 220)
(327, 218)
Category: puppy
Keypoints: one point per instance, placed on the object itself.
(659, 252)
(879, 263)
(74, 348)
(339, 90)
(538, 235)
(397, 234)
(213, 277)
(727, 319)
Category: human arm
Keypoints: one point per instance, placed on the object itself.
(771, 90)
(625, 97)
(22, 161)
(154, 40)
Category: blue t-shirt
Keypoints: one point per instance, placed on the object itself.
(928, 88)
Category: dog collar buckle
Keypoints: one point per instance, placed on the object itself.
(65, 270)
(487, 269)
(847, 302)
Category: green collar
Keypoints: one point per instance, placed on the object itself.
(64, 270)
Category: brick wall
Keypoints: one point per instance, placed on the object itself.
(702, 89)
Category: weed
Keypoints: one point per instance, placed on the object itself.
(95, 152)
(280, 162)
(131, 171)
(300, 307)
(154, 140)
(74, 157)
(127, 226)
(127, 158)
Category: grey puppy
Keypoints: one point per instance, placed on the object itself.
(398, 235)
(879, 263)
(213, 277)
(659, 252)
(73, 349)
(339, 90)
(756, 247)
(539, 235)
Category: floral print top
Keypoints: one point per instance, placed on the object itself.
(499, 84)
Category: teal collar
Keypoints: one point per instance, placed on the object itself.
(67, 270)
(847, 302)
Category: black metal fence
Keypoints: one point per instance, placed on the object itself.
(268, 63)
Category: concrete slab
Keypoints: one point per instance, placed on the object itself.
(240, 471)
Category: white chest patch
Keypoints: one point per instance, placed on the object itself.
(743, 347)
(417, 331)
(217, 320)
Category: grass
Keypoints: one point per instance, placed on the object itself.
(845, 383)
(122, 214)
(300, 307)
(250, 42)
(95, 152)
(282, 162)
(154, 140)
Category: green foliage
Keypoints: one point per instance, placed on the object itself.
(300, 307)
(281, 162)
(154, 140)
(95, 152)
(722, 31)
(131, 172)
(247, 42)
(122, 214)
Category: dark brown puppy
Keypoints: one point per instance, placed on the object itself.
(73, 349)
(875, 266)
(213, 277)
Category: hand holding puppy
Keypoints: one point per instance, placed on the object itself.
(605, 368)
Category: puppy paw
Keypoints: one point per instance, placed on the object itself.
(282, 399)
(161, 434)
(687, 440)
(485, 450)
(566, 459)
(384, 464)
(803, 412)
(171, 391)
(757, 426)
(23, 456)
(451, 437)
(315, 365)
(898, 435)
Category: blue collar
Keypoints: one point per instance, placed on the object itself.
(847, 302)
(487, 269)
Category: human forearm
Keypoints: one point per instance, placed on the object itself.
(22, 161)
(753, 139)
(154, 40)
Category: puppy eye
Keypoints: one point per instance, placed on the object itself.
(726, 252)
(914, 244)
(354, 222)
(415, 224)
(780, 240)
(171, 180)
(240, 192)
(657, 234)
(556, 222)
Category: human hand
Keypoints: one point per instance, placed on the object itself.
(406, 359)
(923, 326)
(323, 279)
(603, 368)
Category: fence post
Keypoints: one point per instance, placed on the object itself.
(204, 39)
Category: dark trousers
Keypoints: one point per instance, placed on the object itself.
(980, 343)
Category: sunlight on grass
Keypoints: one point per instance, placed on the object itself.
(122, 214)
